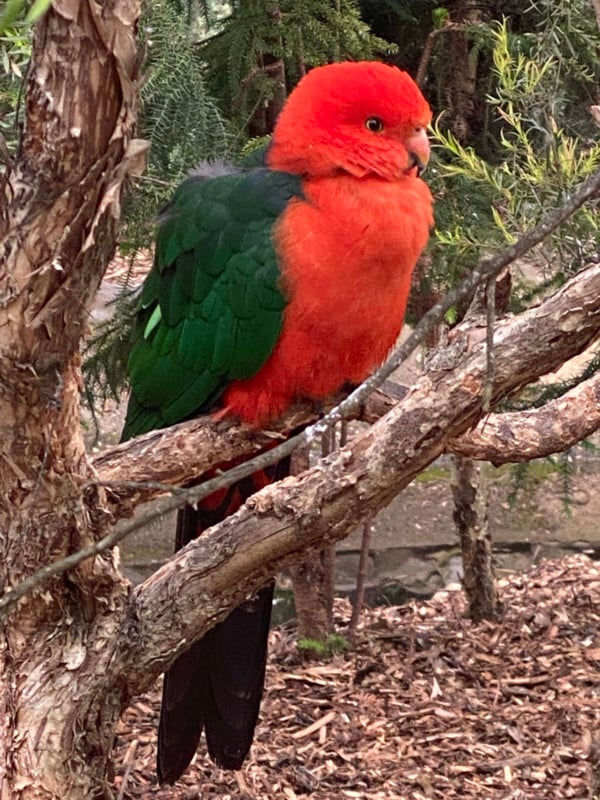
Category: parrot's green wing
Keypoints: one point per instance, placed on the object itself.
(211, 309)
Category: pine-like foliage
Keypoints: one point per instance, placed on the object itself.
(177, 115)
(244, 58)
(107, 352)
(540, 157)
(184, 127)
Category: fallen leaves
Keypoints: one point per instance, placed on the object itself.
(426, 707)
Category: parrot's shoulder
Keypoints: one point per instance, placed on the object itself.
(215, 200)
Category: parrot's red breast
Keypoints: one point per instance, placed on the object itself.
(348, 248)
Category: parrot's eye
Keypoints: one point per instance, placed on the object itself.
(374, 124)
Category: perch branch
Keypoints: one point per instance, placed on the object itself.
(281, 523)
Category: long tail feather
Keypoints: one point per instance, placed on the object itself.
(217, 684)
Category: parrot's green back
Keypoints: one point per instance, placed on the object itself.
(211, 309)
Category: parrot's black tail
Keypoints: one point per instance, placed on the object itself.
(218, 683)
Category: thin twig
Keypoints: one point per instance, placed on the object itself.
(486, 398)
(361, 580)
(428, 49)
(129, 761)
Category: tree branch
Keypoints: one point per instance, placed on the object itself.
(486, 269)
(524, 435)
(280, 524)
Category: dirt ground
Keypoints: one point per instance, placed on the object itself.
(426, 706)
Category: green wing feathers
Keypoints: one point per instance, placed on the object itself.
(211, 309)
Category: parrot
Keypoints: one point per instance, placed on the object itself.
(275, 284)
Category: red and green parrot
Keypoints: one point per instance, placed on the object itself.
(272, 285)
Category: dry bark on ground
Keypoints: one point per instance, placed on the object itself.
(426, 706)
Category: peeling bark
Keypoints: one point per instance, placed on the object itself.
(525, 435)
(59, 205)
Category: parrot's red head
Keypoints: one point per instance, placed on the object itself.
(364, 118)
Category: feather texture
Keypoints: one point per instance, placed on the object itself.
(212, 308)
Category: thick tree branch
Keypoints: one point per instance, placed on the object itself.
(282, 522)
(485, 270)
(524, 435)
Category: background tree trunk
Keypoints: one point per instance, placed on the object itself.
(471, 519)
(313, 578)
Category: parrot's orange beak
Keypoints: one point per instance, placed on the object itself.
(418, 149)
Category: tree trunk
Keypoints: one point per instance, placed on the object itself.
(462, 58)
(60, 203)
(313, 578)
(471, 518)
(312, 592)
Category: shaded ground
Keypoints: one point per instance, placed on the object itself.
(425, 707)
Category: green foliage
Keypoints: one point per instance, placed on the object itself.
(540, 394)
(526, 477)
(440, 16)
(243, 59)
(566, 34)
(16, 11)
(16, 20)
(177, 115)
(483, 205)
(332, 645)
(15, 51)
(106, 353)
(406, 24)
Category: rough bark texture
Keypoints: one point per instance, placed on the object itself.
(58, 209)
(470, 515)
(280, 523)
(524, 435)
(312, 579)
